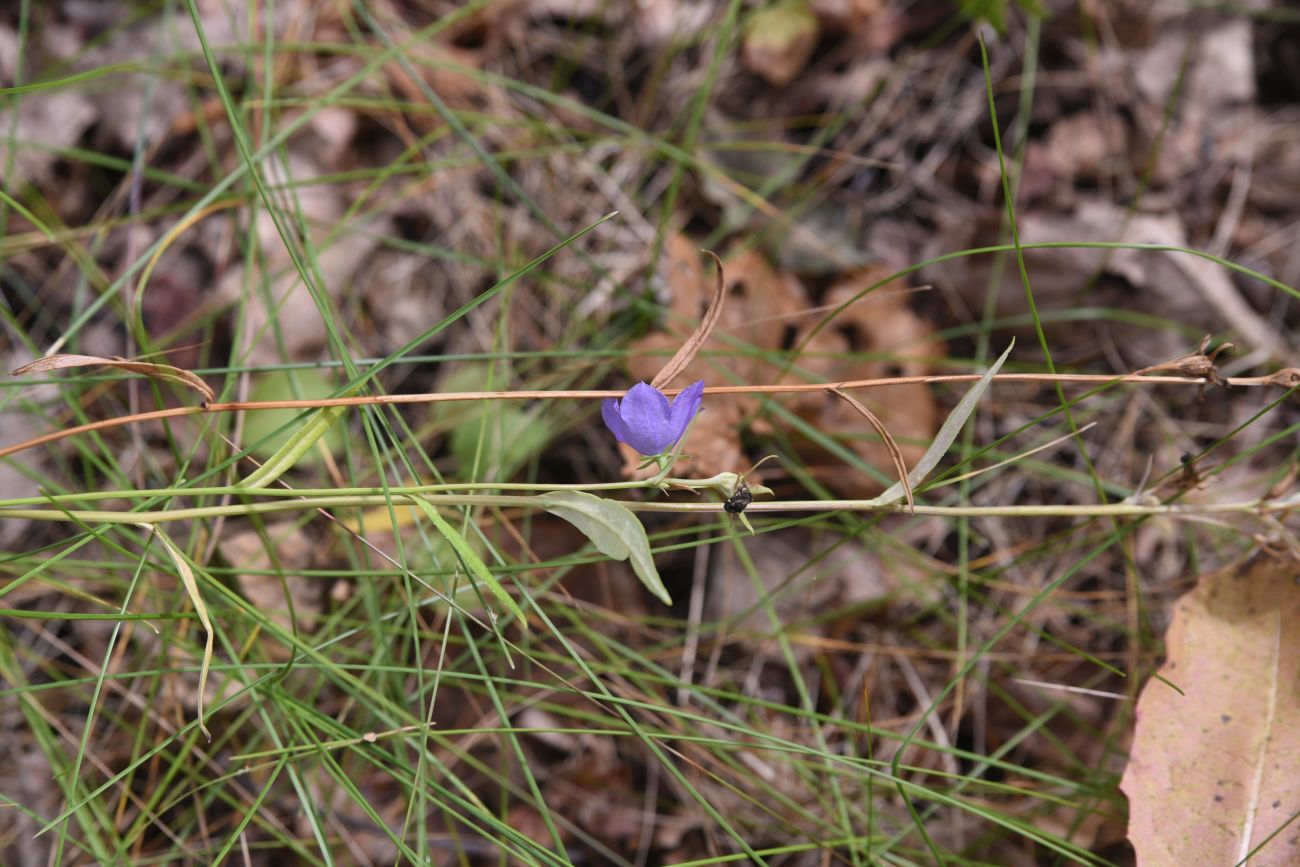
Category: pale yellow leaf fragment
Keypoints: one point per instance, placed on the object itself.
(1214, 774)
(186, 573)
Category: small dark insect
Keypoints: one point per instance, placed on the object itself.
(739, 499)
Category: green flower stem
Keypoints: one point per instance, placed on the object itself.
(509, 501)
(396, 491)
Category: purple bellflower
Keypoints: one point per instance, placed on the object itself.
(646, 421)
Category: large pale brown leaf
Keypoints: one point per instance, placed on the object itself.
(1215, 771)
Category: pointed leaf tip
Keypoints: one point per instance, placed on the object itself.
(613, 529)
(947, 434)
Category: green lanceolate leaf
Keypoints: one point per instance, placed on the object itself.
(469, 559)
(613, 529)
(287, 455)
(947, 434)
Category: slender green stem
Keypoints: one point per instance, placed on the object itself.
(722, 482)
(1122, 509)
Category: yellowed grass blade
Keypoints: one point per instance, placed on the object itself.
(192, 588)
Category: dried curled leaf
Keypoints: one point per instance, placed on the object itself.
(163, 372)
(691, 348)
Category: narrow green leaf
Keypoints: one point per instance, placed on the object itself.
(287, 455)
(471, 560)
(947, 434)
(613, 529)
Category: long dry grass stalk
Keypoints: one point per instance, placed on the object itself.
(1285, 378)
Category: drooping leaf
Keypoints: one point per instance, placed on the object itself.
(613, 529)
(162, 372)
(183, 569)
(469, 558)
(296, 446)
(1215, 764)
(947, 434)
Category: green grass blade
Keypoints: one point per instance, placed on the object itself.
(947, 433)
(469, 558)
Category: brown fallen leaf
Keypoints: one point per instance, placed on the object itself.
(164, 372)
(1215, 771)
(876, 336)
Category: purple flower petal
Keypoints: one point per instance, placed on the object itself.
(645, 412)
(685, 405)
(613, 421)
(645, 420)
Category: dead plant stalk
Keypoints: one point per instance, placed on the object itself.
(1285, 378)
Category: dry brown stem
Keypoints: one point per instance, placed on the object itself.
(691, 348)
(1288, 377)
(895, 453)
